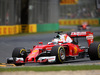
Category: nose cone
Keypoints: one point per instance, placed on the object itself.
(32, 56)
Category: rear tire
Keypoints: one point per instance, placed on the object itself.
(94, 51)
(59, 52)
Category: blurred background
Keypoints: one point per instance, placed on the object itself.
(31, 16)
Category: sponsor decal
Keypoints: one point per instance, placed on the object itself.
(78, 33)
(35, 50)
(50, 58)
(34, 53)
(19, 59)
(89, 37)
(75, 50)
(48, 48)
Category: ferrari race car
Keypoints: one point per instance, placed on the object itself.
(84, 26)
(56, 51)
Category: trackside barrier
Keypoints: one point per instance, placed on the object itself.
(47, 27)
(78, 21)
(32, 28)
(43, 27)
(10, 30)
(25, 28)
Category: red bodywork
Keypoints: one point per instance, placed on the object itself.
(71, 49)
(84, 26)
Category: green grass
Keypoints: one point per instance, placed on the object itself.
(97, 38)
(51, 68)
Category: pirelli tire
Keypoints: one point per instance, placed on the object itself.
(19, 52)
(59, 52)
(94, 51)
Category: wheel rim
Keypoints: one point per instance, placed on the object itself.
(99, 51)
(23, 53)
(62, 54)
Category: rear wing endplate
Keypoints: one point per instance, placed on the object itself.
(87, 34)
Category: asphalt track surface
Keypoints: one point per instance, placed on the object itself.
(7, 44)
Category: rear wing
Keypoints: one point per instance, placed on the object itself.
(87, 34)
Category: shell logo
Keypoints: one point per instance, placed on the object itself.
(35, 51)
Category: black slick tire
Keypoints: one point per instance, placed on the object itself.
(94, 51)
(19, 52)
(59, 52)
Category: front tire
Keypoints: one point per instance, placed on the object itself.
(19, 52)
(59, 52)
(94, 51)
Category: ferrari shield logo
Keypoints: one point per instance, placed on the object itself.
(75, 50)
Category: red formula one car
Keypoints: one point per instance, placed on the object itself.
(84, 26)
(57, 51)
